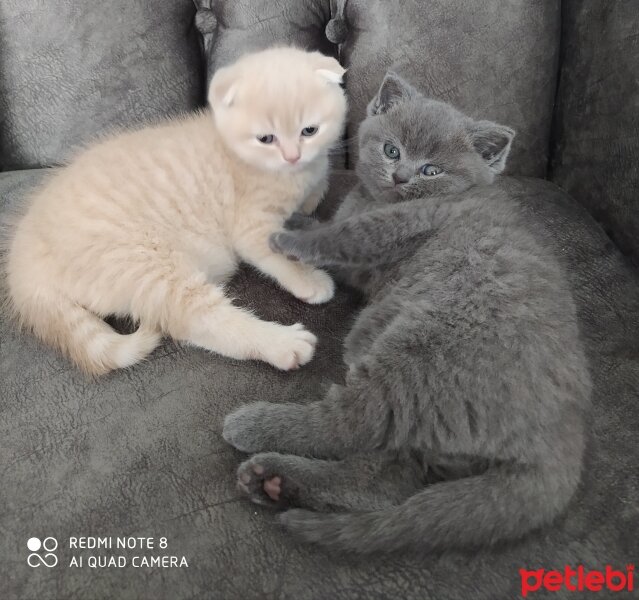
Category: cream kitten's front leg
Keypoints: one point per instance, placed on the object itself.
(314, 198)
(200, 313)
(304, 282)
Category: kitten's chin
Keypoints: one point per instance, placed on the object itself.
(388, 194)
(287, 168)
(300, 166)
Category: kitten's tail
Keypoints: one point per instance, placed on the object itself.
(84, 337)
(496, 506)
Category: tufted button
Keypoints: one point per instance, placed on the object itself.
(337, 30)
(205, 21)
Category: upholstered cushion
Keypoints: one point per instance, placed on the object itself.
(231, 28)
(596, 155)
(139, 453)
(494, 59)
(70, 69)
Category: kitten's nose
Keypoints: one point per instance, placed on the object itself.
(398, 179)
(291, 154)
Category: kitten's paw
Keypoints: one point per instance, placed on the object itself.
(286, 243)
(290, 347)
(262, 480)
(300, 221)
(243, 428)
(316, 287)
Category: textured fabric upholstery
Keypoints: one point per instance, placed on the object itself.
(596, 142)
(229, 29)
(71, 69)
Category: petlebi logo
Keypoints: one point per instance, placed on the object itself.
(578, 579)
(42, 552)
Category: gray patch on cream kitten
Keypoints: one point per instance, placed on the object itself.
(461, 420)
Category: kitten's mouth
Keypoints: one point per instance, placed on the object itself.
(298, 166)
(391, 188)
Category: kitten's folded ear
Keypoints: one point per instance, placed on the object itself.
(223, 87)
(328, 67)
(492, 142)
(393, 90)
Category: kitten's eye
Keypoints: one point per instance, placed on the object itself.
(431, 170)
(391, 151)
(310, 131)
(266, 139)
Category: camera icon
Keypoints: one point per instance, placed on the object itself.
(47, 558)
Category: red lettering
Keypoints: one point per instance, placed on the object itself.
(611, 576)
(577, 579)
(526, 586)
(594, 581)
(553, 581)
(568, 575)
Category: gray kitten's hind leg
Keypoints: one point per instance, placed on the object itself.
(372, 411)
(353, 418)
(357, 483)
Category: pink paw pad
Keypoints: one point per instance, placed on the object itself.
(263, 483)
(273, 488)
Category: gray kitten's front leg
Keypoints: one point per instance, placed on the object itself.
(302, 243)
(300, 221)
(347, 421)
(345, 275)
(376, 237)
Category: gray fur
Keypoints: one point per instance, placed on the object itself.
(466, 371)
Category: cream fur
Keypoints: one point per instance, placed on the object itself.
(151, 223)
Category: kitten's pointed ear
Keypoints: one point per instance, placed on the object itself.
(392, 91)
(492, 142)
(328, 68)
(223, 87)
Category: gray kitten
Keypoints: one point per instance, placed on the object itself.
(461, 420)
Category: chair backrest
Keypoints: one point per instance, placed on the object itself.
(596, 135)
(71, 69)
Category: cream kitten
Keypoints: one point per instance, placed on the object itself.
(151, 223)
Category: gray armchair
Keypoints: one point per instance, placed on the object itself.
(139, 452)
